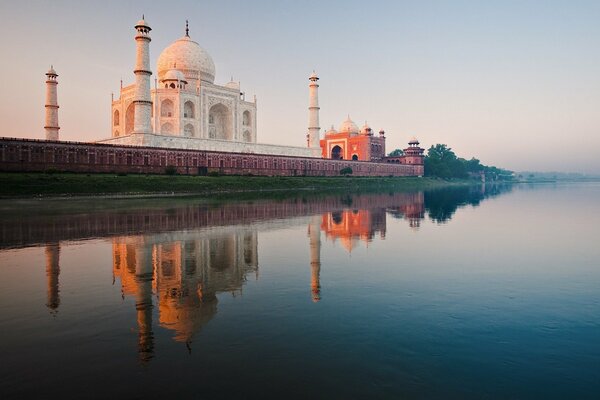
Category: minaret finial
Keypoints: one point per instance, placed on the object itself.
(187, 28)
(143, 17)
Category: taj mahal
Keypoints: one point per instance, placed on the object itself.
(186, 108)
(183, 119)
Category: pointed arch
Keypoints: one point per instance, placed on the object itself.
(129, 114)
(167, 127)
(188, 130)
(167, 109)
(220, 124)
(188, 109)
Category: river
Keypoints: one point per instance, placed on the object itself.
(483, 292)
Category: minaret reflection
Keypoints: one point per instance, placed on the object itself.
(314, 233)
(144, 275)
(52, 274)
(185, 273)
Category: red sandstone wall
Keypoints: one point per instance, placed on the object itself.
(26, 155)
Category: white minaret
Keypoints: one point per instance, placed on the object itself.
(51, 126)
(313, 112)
(142, 100)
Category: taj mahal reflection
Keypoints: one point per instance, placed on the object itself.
(176, 277)
(181, 275)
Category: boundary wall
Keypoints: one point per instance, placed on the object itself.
(31, 155)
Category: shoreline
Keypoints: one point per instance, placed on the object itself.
(22, 186)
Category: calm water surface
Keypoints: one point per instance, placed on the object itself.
(462, 293)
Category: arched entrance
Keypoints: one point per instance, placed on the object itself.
(219, 123)
(336, 153)
(354, 157)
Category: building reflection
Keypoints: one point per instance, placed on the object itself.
(52, 252)
(175, 277)
(181, 276)
(412, 210)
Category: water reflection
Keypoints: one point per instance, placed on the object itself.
(52, 251)
(174, 261)
(181, 274)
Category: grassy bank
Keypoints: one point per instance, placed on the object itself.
(51, 185)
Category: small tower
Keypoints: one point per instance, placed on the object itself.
(313, 112)
(142, 100)
(51, 126)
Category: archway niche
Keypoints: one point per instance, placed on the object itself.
(336, 153)
(188, 130)
(129, 113)
(247, 136)
(188, 109)
(166, 128)
(167, 109)
(116, 118)
(246, 118)
(220, 123)
(355, 157)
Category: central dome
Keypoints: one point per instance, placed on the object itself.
(188, 57)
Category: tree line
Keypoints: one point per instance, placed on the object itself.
(442, 162)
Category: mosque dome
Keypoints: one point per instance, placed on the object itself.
(414, 141)
(348, 126)
(331, 131)
(191, 59)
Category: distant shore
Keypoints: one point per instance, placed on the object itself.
(36, 185)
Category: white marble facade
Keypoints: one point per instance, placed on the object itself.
(186, 102)
(188, 109)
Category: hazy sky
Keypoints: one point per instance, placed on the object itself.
(513, 83)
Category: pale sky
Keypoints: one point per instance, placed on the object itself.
(513, 83)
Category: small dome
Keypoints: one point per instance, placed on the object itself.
(366, 129)
(174, 75)
(190, 58)
(51, 71)
(233, 84)
(142, 24)
(313, 77)
(348, 126)
(413, 141)
(331, 131)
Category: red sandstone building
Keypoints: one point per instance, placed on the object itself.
(351, 144)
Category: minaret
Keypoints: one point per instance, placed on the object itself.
(51, 105)
(314, 233)
(142, 100)
(313, 112)
(52, 273)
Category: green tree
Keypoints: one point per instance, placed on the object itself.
(396, 153)
(442, 162)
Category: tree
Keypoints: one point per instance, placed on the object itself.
(396, 153)
(346, 171)
(441, 162)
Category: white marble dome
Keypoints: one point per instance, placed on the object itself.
(174, 75)
(191, 59)
(348, 126)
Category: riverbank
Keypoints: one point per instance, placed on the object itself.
(29, 185)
